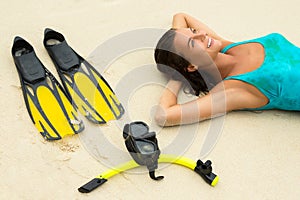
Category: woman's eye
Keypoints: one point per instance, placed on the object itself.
(193, 30)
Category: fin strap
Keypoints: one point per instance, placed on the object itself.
(64, 55)
(30, 68)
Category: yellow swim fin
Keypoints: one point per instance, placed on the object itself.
(48, 105)
(89, 91)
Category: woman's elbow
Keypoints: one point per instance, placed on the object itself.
(179, 14)
(163, 117)
(160, 118)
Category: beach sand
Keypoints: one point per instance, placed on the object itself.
(256, 154)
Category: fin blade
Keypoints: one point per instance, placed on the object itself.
(53, 111)
(94, 96)
(40, 123)
(114, 104)
(83, 103)
(51, 120)
(71, 112)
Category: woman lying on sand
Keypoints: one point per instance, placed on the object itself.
(256, 74)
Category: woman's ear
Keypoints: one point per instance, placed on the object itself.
(192, 68)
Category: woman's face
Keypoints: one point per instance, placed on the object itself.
(196, 46)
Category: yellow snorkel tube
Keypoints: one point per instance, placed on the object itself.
(142, 146)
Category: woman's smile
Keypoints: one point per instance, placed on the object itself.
(210, 42)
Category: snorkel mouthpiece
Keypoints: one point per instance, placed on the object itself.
(142, 146)
(205, 171)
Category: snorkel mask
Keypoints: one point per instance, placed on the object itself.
(142, 146)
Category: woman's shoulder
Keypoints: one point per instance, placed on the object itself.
(272, 36)
(226, 43)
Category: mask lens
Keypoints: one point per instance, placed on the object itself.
(145, 147)
(138, 130)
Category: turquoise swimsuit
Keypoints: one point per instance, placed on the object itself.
(278, 78)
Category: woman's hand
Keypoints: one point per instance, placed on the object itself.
(182, 20)
(169, 96)
(167, 100)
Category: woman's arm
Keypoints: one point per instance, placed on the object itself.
(169, 95)
(171, 113)
(225, 97)
(182, 20)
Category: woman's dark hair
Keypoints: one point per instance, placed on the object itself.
(166, 58)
